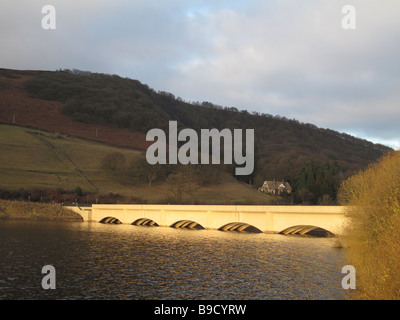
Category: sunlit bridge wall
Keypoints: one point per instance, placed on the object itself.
(287, 220)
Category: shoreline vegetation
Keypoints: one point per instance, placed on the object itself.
(372, 236)
(32, 211)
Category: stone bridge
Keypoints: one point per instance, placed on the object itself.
(311, 220)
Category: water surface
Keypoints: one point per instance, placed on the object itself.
(98, 261)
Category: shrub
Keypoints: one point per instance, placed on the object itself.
(372, 235)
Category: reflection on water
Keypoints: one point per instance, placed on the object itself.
(98, 261)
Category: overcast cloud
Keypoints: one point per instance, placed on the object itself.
(283, 57)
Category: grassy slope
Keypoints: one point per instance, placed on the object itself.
(35, 159)
(31, 158)
(35, 211)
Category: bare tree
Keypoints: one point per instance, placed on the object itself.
(142, 171)
(113, 162)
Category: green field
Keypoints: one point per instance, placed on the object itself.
(33, 159)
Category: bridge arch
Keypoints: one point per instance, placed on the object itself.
(239, 227)
(187, 224)
(145, 222)
(306, 230)
(110, 220)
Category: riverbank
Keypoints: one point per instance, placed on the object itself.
(18, 210)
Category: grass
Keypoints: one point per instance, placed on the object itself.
(33, 159)
(372, 236)
(16, 210)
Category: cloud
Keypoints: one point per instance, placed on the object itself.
(284, 57)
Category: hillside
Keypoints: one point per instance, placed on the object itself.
(19, 107)
(119, 111)
(44, 166)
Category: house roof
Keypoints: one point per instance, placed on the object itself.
(276, 184)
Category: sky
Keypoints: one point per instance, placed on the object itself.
(291, 58)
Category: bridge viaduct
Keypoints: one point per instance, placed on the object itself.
(268, 219)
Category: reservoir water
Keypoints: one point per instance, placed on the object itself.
(100, 261)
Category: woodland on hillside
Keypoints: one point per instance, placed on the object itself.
(315, 161)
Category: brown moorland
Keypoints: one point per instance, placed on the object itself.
(17, 107)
